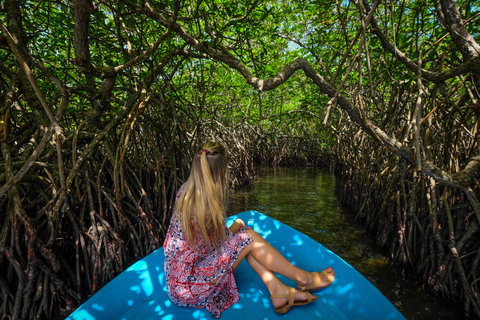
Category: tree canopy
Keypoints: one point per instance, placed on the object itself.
(103, 101)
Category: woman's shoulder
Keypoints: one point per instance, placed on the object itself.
(179, 192)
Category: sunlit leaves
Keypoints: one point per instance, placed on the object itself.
(265, 35)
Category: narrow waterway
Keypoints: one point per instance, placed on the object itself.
(304, 198)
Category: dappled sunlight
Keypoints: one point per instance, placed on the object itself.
(341, 290)
(297, 241)
(140, 291)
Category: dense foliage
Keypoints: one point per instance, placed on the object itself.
(103, 102)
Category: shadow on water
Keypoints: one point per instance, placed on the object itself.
(304, 198)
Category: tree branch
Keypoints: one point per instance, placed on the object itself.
(472, 64)
(18, 56)
(460, 36)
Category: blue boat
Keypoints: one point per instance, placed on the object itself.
(140, 292)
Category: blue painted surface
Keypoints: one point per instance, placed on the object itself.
(140, 292)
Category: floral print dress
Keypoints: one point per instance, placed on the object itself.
(189, 272)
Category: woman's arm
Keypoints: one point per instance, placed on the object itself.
(235, 227)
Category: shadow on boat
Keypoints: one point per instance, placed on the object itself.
(140, 291)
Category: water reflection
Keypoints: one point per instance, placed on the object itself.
(304, 198)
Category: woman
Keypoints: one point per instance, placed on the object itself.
(201, 253)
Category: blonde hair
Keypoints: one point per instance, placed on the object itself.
(201, 206)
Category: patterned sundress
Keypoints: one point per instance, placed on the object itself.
(189, 273)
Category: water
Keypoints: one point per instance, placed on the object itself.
(304, 198)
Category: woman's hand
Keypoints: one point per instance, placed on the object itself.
(235, 227)
(240, 222)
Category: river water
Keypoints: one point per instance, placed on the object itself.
(304, 198)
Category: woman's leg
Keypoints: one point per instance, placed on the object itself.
(273, 284)
(272, 260)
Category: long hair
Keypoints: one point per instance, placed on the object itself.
(201, 206)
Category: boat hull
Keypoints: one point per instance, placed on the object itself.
(140, 292)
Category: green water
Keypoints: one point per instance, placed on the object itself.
(304, 198)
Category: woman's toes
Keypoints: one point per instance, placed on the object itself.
(303, 296)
